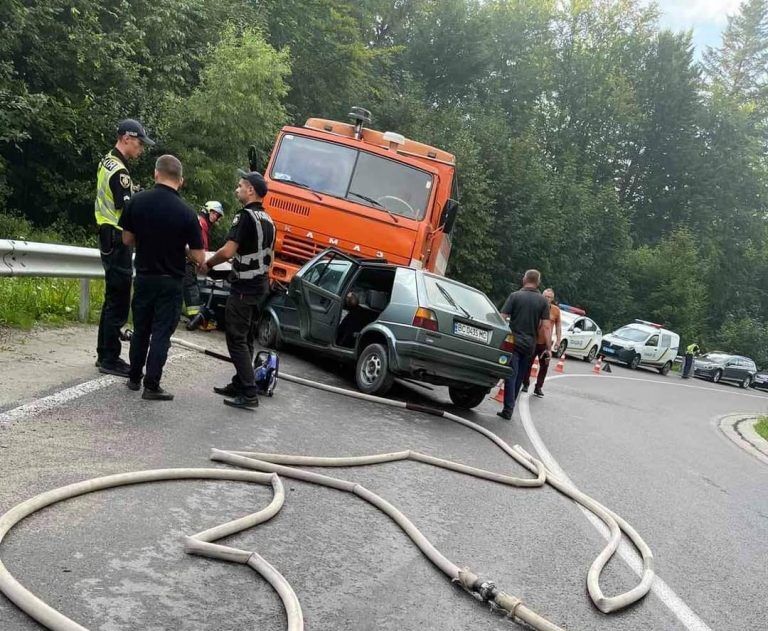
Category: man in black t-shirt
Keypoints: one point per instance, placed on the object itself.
(528, 313)
(250, 244)
(161, 226)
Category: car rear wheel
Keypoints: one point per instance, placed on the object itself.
(561, 349)
(664, 370)
(717, 376)
(635, 362)
(467, 398)
(266, 333)
(746, 382)
(592, 354)
(372, 372)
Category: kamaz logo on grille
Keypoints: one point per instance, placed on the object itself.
(329, 241)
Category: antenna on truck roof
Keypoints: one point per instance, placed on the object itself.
(360, 116)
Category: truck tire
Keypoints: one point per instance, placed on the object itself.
(664, 370)
(635, 362)
(372, 371)
(467, 398)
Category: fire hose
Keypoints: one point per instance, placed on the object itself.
(268, 469)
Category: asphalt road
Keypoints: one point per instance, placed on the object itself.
(646, 446)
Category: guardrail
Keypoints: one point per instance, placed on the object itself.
(25, 258)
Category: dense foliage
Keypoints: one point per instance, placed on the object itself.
(591, 143)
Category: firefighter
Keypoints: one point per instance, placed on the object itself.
(250, 244)
(208, 215)
(113, 190)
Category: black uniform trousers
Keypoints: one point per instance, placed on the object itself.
(242, 319)
(118, 274)
(156, 311)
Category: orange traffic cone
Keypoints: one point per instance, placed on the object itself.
(598, 365)
(560, 364)
(535, 368)
(500, 394)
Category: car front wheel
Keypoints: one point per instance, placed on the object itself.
(717, 376)
(266, 333)
(467, 398)
(592, 354)
(664, 370)
(635, 362)
(372, 372)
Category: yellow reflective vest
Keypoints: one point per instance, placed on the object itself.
(104, 208)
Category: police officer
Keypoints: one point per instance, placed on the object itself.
(250, 244)
(210, 213)
(690, 353)
(113, 190)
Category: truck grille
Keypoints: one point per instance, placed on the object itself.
(301, 249)
(290, 206)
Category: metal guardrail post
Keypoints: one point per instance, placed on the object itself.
(85, 300)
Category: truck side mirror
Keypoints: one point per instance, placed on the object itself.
(256, 161)
(448, 216)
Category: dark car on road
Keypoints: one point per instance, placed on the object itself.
(393, 321)
(761, 380)
(719, 366)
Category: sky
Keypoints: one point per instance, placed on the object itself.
(707, 18)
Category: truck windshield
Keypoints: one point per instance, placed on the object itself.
(355, 175)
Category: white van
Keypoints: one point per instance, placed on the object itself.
(642, 343)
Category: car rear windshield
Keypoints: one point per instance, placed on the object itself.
(461, 300)
(631, 333)
(360, 177)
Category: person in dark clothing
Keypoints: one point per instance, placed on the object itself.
(113, 190)
(210, 213)
(161, 226)
(250, 244)
(528, 313)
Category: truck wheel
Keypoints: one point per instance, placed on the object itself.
(372, 372)
(267, 333)
(664, 370)
(635, 362)
(467, 398)
(592, 354)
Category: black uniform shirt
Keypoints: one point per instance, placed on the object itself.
(526, 309)
(120, 182)
(244, 233)
(164, 225)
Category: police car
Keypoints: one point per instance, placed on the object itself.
(581, 337)
(642, 343)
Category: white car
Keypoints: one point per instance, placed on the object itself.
(581, 335)
(642, 344)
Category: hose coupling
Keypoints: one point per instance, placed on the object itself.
(487, 590)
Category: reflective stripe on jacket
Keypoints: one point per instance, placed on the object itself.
(247, 266)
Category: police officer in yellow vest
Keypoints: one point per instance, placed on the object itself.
(691, 353)
(113, 190)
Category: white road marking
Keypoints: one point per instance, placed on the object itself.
(38, 406)
(687, 617)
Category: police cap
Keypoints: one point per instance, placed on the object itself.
(255, 179)
(135, 129)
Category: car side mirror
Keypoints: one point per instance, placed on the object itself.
(448, 216)
(256, 161)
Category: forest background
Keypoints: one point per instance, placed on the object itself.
(591, 143)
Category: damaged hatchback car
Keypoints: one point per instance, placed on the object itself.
(392, 321)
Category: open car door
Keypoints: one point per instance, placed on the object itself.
(316, 290)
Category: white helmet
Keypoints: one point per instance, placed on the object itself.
(215, 207)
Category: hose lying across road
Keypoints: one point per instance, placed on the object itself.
(269, 468)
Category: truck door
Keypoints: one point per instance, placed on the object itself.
(317, 292)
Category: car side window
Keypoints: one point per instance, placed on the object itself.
(579, 324)
(653, 341)
(329, 273)
(588, 325)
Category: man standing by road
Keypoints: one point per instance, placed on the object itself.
(528, 313)
(208, 216)
(545, 344)
(113, 190)
(690, 353)
(161, 226)
(250, 244)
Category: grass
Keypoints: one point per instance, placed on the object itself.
(761, 427)
(25, 302)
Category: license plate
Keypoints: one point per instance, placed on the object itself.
(472, 332)
(607, 350)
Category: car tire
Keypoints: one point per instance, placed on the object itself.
(717, 376)
(591, 355)
(372, 371)
(467, 398)
(664, 370)
(267, 333)
(561, 349)
(746, 382)
(634, 363)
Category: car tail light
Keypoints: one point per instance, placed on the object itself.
(508, 344)
(425, 319)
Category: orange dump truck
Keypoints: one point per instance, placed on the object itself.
(369, 193)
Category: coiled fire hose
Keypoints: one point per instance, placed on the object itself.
(269, 468)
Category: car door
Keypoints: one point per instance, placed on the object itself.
(577, 337)
(590, 335)
(317, 292)
(734, 371)
(651, 351)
